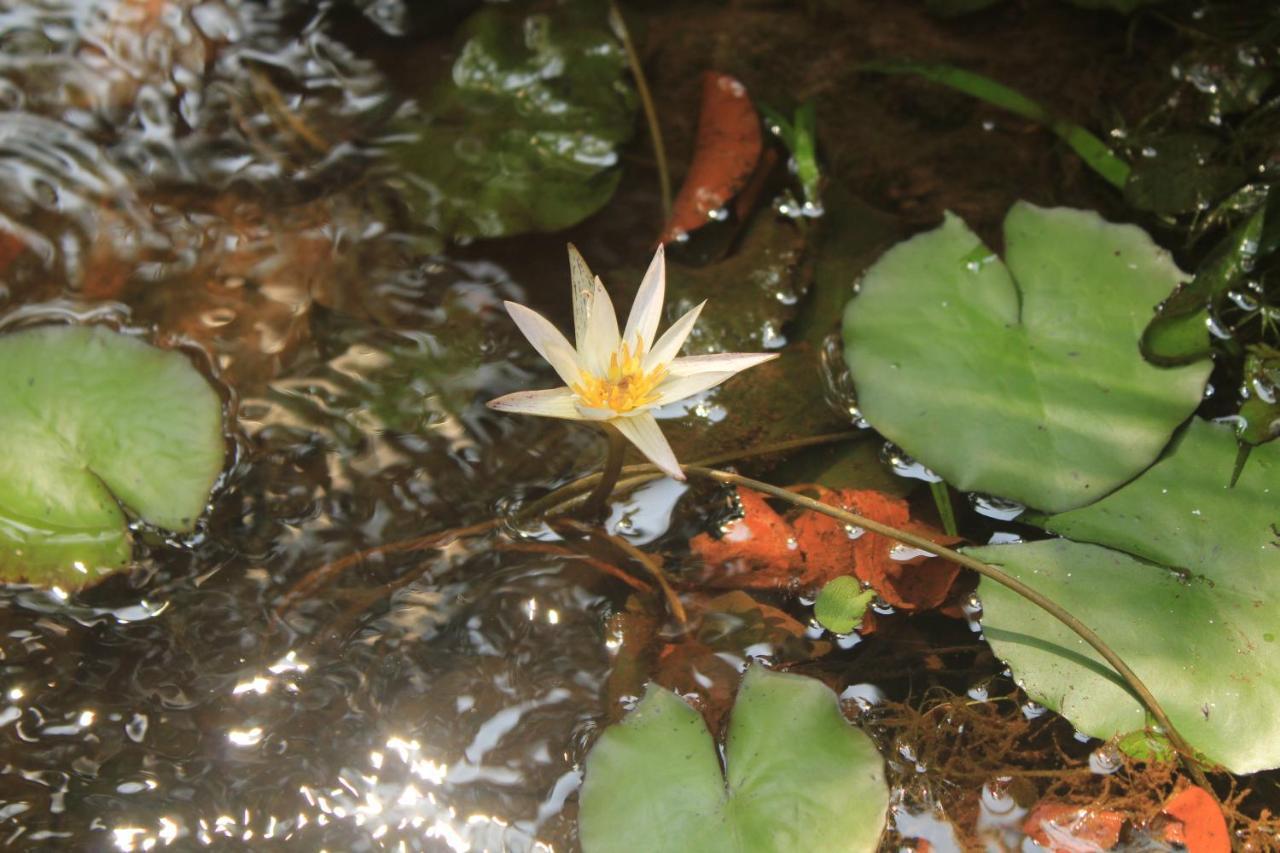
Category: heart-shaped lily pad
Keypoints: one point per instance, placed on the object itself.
(799, 776)
(1023, 378)
(93, 419)
(1191, 607)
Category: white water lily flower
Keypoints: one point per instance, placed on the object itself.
(618, 378)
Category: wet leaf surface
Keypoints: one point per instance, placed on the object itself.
(523, 133)
(798, 776)
(92, 417)
(1185, 592)
(1020, 356)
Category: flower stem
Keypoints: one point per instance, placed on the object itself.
(597, 502)
(1135, 684)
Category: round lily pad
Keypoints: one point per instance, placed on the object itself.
(95, 423)
(799, 777)
(1021, 378)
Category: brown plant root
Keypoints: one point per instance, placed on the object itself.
(963, 744)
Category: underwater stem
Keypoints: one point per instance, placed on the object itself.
(647, 562)
(619, 25)
(1048, 605)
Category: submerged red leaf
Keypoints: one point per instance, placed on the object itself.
(726, 151)
(762, 550)
(1072, 829)
(1203, 827)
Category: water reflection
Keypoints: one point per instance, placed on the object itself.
(192, 168)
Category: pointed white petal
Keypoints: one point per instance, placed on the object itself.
(675, 389)
(668, 346)
(601, 340)
(646, 311)
(580, 279)
(643, 431)
(547, 340)
(733, 362)
(590, 413)
(688, 376)
(552, 403)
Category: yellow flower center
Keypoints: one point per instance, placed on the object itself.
(626, 387)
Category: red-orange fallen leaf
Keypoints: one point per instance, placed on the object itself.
(763, 551)
(726, 150)
(756, 551)
(1203, 829)
(1071, 829)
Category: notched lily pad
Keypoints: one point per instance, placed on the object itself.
(1021, 378)
(523, 134)
(94, 421)
(1185, 591)
(798, 776)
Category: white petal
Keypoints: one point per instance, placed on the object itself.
(672, 339)
(733, 362)
(601, 340)
(580, 279)
(547, 340)
(643, 431)
(646, 311)
(591, 413)
(688, 376)
(552, 403)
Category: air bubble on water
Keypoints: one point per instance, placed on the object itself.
(1243, 301)
(901, 553)
(853, 531)
(881, 607)
(1002, 537)
(1216, 328)
(1000, 509)
(904, 466)
(864, 695)
(979, 692)
(848, 641)
(1033, 710)
(1106, 760)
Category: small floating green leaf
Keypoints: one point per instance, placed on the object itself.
(1023, 378)
(94, 420)
(842, 604)
(1186, 592)
(799, 776)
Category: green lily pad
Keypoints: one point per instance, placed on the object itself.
(799, 776)
(523, 135)
(1191, 606)
(92, 420)
(1023, 378)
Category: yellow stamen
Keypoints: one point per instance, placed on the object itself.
(625, 386)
